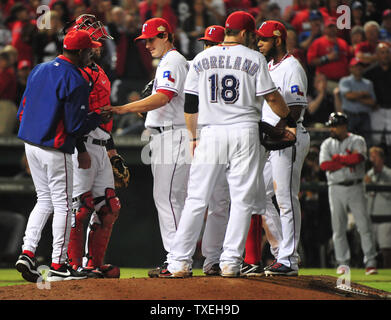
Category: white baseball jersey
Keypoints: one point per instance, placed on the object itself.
(332, 146)
(170, 75)
(291, 81)
(228, 95)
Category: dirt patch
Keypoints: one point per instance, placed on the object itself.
(195, 288)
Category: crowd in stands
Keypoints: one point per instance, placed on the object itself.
(347, 68)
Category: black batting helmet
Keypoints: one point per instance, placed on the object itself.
(337, 119)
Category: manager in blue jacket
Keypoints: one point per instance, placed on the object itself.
(53, 114)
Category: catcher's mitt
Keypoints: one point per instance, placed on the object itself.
(276, 137)
(120, 171)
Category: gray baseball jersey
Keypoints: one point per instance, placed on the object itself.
(331, 146)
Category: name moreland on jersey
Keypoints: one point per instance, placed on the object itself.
(225, 83)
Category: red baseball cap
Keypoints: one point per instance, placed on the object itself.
(272, 28)
(330, 21)
(214, 34)
(354, 62)
(24, 64)
(240, 20)
(152, 27)
(79, 39)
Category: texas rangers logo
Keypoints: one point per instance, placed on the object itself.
(211, 30)
(144, 26)
(295, 89)
(167, 74)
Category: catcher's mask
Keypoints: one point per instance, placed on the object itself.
(89, 23)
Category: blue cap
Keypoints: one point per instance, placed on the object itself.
(315, 15)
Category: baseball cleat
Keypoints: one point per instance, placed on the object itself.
(229, 272)
(91, 272)
(370, 270)
(251, 270)
(213, 271)
(154, 273)
(278, 269)
(65, 272)
(28, 268)
(268, 266)
(165, 273)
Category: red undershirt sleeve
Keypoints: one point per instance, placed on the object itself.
(168, 93)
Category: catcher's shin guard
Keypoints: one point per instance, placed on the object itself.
(83, 207)
(99, 234)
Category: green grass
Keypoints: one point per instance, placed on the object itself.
(380, 281)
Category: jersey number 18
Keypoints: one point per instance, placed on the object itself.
(229, 88)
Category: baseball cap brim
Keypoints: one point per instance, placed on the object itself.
(206, 39)
(147, 36)
(95, 44)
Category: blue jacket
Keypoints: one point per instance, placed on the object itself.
(54, 108)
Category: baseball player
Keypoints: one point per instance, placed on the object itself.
(343, 156)
(283, 167)
(224, 90)
(94, 195)
(52, 114)
(218, 208)
(166, 122)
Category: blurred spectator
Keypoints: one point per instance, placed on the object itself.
(158, 9)
(365, 51)
(23, 32)
(379, 204)
(358, 99)
(237, 5)
(291, 10)
(358, 16)
(274, 11)
(315, 31)
(8, 108)
(293, 49)
(320, 103)
(5, 35)
(380, 75)
(24, 68)
(371, 11)
(329, 55)
(216, 11)
(62, 9)
(13, 55)
(357, 35)
(130, 123)
(301, 20)
(194, 28)
(133, 61)
(48, 42)
(385, 31)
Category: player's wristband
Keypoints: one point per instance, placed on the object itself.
(290, 122)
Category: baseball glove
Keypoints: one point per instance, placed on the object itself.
(276, 137)
(120, 171)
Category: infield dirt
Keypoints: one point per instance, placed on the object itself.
(195, 288)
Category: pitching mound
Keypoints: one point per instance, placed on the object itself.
(195, 288)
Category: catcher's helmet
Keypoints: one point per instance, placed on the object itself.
(337, 119)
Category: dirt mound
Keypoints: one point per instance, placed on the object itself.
(195, 288)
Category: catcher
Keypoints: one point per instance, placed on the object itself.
(94, 196)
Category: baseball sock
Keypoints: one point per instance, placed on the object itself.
(56, 266)
(253, 242)
(29, 253)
